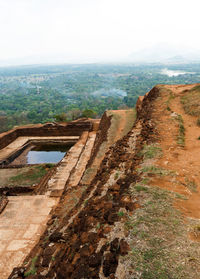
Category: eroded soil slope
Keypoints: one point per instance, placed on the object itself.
(139, 217)
(180, 149)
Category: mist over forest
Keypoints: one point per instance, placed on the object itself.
(43, 93)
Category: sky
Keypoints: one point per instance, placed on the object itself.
(93, 30)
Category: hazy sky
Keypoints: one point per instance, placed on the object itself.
(88, 30)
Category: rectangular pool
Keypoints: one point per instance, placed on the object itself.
(47, 153)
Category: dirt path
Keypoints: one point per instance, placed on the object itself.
(184, 161)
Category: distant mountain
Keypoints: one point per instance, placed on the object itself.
(159, 53)
(58, 58)
(163, 53)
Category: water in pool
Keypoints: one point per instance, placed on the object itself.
(48, 153)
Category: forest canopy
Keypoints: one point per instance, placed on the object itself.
(39, 94)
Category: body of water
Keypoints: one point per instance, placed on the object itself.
(41, 157)
(49, 153)
(172, 73)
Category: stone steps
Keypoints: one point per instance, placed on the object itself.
(81, 165)
(62, 174)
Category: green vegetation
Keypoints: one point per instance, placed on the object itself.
(32, 270)
(31, 175)
(191, 185)
(158, 235)
(62, 117)
(151, 151)
(139, 188)
(155, 254)
(65, 92)
(191, 102)
(181, 132)
(158, 232)
(120, 213)
(116, 175)
(171, 97)
(85, 202)
(98, 226)
(88, 113)
(155, 170)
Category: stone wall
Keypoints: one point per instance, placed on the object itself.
(74, 128)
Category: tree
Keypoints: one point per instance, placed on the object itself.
(74, 114)
(3, 124)
(88, 113)
(62, 117)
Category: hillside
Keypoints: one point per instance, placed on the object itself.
(137, 207)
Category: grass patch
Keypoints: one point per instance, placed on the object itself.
(120, 213)
(32, 175)
(179, 196)
(156, 170)
(191, 101)
(116, 175)
(170, 98)
(158, 238)
(140, 188)
(158, 233)
(181, 132)
(32, 270)
(151, 151)
(191, 185)
(85, 202)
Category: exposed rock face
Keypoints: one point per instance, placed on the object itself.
(139, 103)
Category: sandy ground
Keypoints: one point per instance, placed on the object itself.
(184, 161)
